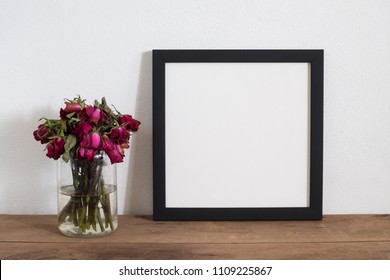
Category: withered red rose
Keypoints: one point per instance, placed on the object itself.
(82, 128)
(42, 134)
(94, 114)
(70, 107)
(55, 148)
(120, 134)
(91, 141)
(131, 123)
(114, 151)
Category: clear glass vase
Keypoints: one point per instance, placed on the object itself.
(87, 197)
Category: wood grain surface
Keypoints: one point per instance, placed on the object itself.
(335, 237)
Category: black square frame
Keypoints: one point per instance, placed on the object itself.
(314, 211)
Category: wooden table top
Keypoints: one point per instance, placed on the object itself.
(335, 237)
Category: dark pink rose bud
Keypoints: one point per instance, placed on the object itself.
(93, 114)
(131, 124)
(120, 134)
(55, 148)
(88, 154)
(59, 145)
(50, 151)
(70, 107)
(91, 141)
(116, 155)
(114, 151)
(82, 129)
(42, 134)
(95, 141)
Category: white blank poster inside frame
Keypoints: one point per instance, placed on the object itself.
(237, 134)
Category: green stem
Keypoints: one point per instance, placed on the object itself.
(83, 208)
(108, 205)
(100, 221)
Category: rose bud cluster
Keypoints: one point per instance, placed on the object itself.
(84, 130)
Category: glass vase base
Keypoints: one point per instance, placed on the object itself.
(87, 215)
(69, 229)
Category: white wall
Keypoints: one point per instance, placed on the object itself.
(50, 50)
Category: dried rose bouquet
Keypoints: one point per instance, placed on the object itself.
(82, 136)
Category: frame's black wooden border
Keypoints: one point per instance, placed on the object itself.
(314, 211)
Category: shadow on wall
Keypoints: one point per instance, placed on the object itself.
(28, 177)
(139, 192)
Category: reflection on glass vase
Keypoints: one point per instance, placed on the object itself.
(87, 197)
